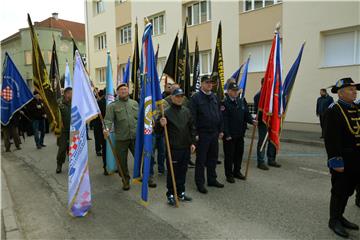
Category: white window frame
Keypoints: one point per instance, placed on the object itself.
(99, 6)
(101, 74)
(100, 42)
(208, 12)
(28, 57)
(122, 31)
(263, 4)
(201, 54)
(156, 29)
(265, 55)
(161, 62)
(356, 54)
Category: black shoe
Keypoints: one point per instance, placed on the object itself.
(346, 224)
(357, 201)
(263, 166)
(18, 148)
(58, 169)
(239, 176)
(98, 154)
(338, 229)
(202, 189)
(43, 145)
(191, 164)
(38, 146)
(184, 198)
(7, 150)
(151, 183)
(106, 173)
(216, 184)
(218, 162)
(171, 200)
(230, 180)
(274, 164)
(126, 185)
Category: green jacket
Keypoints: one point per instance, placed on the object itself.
(123, 114)
(65, 110)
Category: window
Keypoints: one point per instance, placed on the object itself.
(259, 56)
(100, 41)
(199, 12)
(125, 34)
(100, 7)
(161, 65)
(256, 4)
(341, 49)
(100, 74)
(158, 22)
(49, 55)
(204, 62)
(28, 57)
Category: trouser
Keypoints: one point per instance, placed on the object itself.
(271, 149)
(103, 150)
(180, 160)
(122, 148)
(342, 187)
(358, 191)
(39, 131)
(321, 117)
(98, 136)
(11, 131)
(158, 141)
(63, 144)
(233, 152)
(206, 156)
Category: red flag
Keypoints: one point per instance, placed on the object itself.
(270, 103)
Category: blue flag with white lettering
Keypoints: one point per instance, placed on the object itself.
(14, 91)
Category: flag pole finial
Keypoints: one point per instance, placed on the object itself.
(277, 27)
(70, 34)
(146, 20)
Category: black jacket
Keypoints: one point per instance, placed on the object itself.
(180, 125)
(236, 116)
(35, 109)
(206, 113)
(323, 103)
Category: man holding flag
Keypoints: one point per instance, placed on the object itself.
(15, 94)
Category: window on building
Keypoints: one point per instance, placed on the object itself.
(125, 34)
(158, 22)
(199, 12)
(259, 56)
(205, 62)
(100, 6)
(256, 4)
(100, 74)
(161, 65)
(341, 49)
(28, 57)
(100, 41)
(49, 55)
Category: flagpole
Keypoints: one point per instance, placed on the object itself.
(251, 147)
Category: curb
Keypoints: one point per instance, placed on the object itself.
(10, 224)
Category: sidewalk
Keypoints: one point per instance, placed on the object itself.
(9, 225)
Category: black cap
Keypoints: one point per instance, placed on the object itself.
(233, 86)
(67, 89)
(344, 82)
(122, 85)
(206, 78)
(177, 92)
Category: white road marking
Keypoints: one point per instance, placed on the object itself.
(315, 171)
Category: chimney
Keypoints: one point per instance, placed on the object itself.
(55, 15)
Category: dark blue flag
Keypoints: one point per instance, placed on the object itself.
(14, 91)
(242, 83)
(290, 78)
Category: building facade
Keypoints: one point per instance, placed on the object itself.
(247, 30)
(19, 45)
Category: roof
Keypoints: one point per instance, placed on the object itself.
(76, 29)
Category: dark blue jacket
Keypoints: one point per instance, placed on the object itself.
(206, 113)
(256, 101)
(323, 104)
(236, 116)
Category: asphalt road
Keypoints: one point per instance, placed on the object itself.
(287, 203)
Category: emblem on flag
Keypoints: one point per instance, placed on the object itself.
(7, 94)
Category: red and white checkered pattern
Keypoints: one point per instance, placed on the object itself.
(73, 145)
(7, 93)
(147, 131)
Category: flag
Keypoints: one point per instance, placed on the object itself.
(242, 83)
(157, 55)
(234, 76)
(84, 108)
(54, 72)
(290, 78)
(118, 75)
(135, 72)
(14, 91)
(196, 74)
(127, 72)
(184, 64)
(110, 159)
(218, 66)
(67, 82)
(43, 85)
(270, 103)
(150, 97)
(170, 68)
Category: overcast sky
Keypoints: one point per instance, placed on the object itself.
(13, 13)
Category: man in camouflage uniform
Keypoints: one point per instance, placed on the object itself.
(63, 139)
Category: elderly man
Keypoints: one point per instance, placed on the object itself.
(342, 144)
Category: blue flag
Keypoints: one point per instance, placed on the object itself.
(242, 83)
(150, 96)
(14, 91)
(234, 76)
(67, 82)
(110, 159)
(290, 78)
(127, 72)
